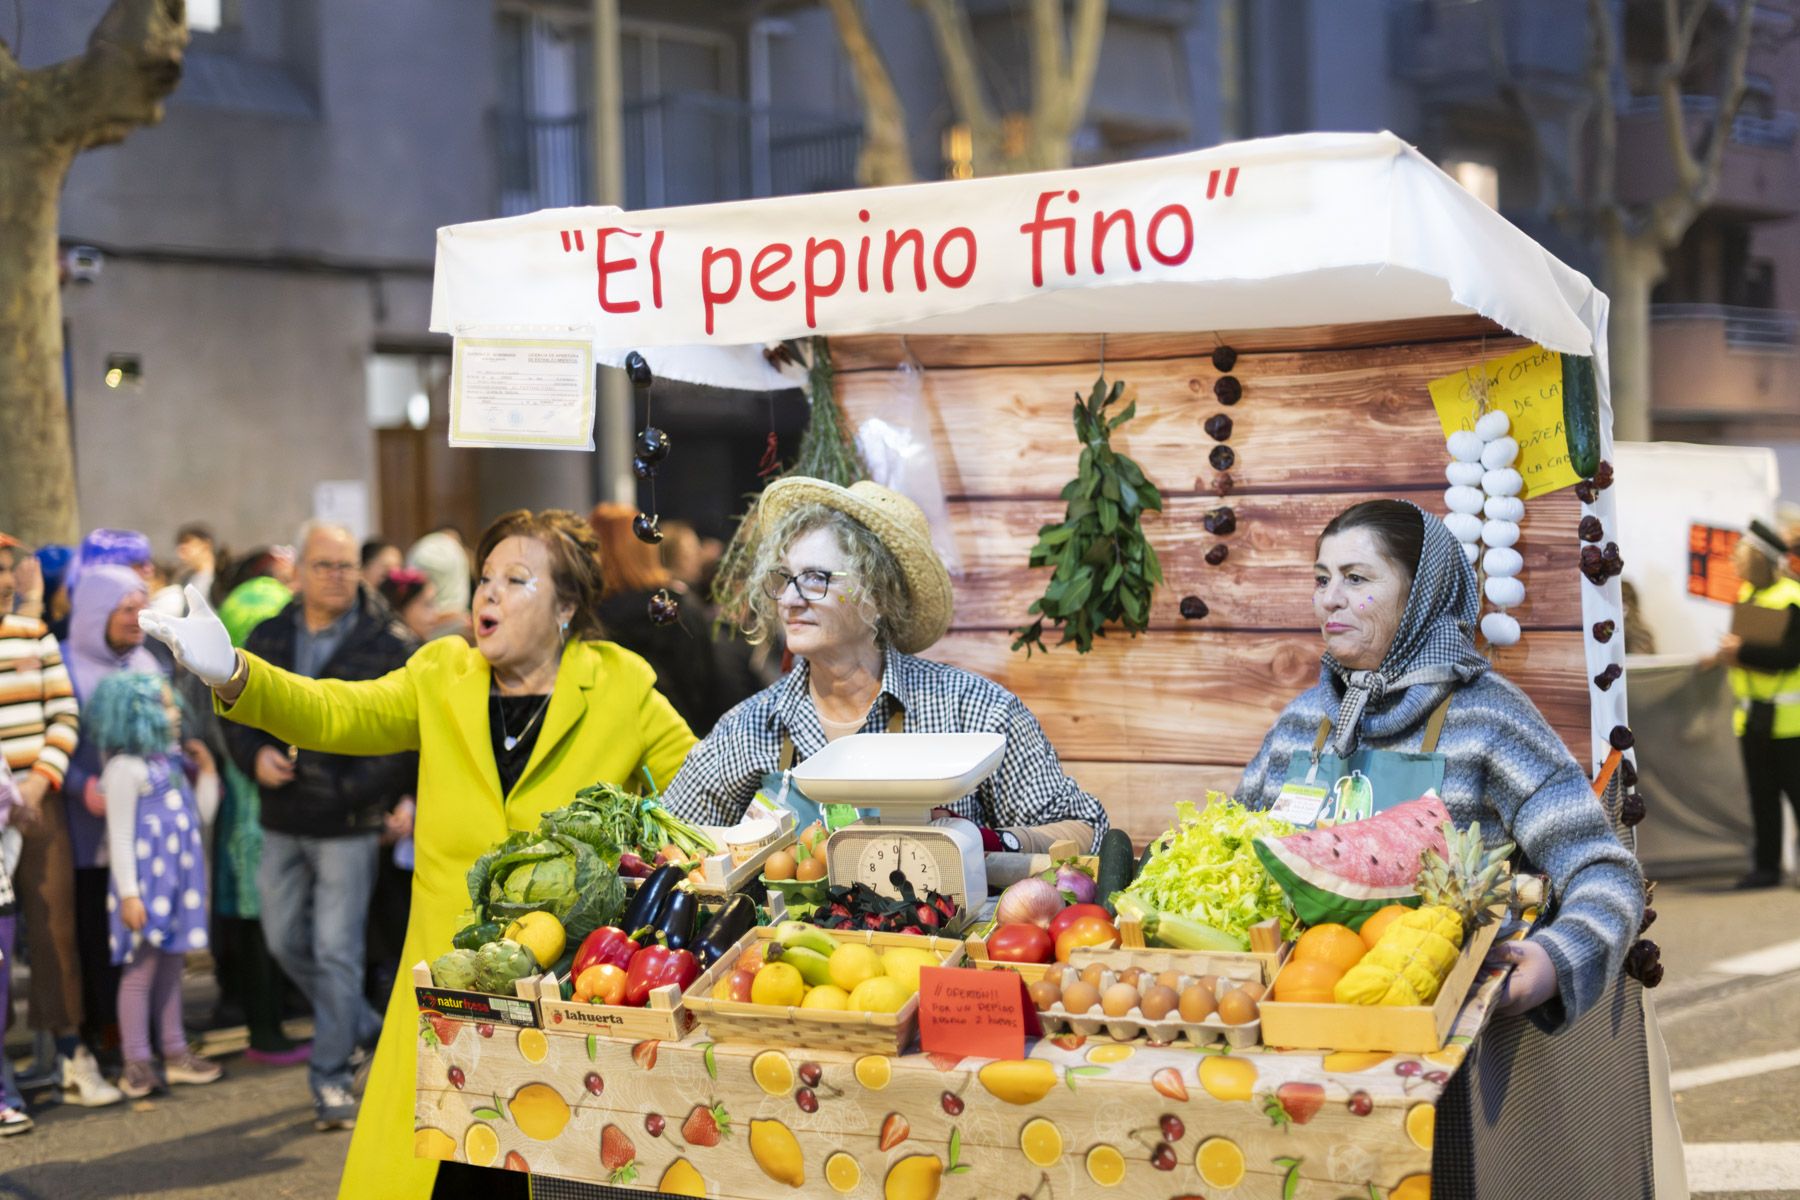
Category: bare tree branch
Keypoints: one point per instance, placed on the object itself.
(1673, 214)
(1690, 29)
(885, 157)
(1084, 55)
(1047, 78)
(133, 61)
(956, 51)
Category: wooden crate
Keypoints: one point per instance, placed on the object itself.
(1402, 1029)
(724, 873)
(519, 1010)
(1131, 937)
(1246, 965)
(852, 1032)
(978, 957)
(665, 1015)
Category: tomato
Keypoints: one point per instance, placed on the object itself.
(738, 983)
(1074, 913)
(1085, 931)
(1020, 943)
(602, 984)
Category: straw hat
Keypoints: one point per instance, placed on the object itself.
(900, 525)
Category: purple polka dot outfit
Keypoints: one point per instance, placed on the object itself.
(171, 869)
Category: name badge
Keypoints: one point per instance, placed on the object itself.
(1300, 803)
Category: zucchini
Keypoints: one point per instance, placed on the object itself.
(1114, 872)
(1581, 414)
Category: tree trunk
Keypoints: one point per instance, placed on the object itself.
(1633, 267)
(37, 470)
(886, 158)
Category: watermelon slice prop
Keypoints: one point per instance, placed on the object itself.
(1345, 873)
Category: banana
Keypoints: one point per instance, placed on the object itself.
(814, 967)
(810, 937)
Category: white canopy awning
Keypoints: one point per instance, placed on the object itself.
(1314, 229)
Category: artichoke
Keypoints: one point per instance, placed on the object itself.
(498, 965)
(455, 970)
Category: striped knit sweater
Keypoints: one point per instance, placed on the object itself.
(38, 720)
(1508, 769)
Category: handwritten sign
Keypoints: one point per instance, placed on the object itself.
(969, 1012)
(522, 391)
(1527, 386)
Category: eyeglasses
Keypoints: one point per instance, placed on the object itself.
(322, 569)
(812, 585)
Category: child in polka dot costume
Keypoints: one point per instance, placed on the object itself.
(157, 902)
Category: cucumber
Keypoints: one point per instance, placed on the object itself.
(1581, 414)
(1115, 870)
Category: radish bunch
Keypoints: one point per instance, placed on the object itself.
(1485, 511)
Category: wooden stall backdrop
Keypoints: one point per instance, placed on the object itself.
(1329, 416)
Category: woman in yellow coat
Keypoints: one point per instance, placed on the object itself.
(506, 730)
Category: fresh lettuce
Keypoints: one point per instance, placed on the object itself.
(1206, 869)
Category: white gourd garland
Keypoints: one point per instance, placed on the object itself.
(1484, 483)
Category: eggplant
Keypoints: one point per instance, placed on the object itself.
(732, 922)
(652, 896)
(675, 924)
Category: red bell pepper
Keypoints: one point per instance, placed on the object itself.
(608, 945)
(653, 966)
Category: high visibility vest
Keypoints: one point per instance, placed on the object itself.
(1780, 688)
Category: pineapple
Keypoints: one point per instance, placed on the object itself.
(1408, 965)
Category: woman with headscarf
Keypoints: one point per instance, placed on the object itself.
(104, 639)
(1402, 690)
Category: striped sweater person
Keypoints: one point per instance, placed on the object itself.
(38, 720)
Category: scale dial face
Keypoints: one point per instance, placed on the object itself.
(880, 855)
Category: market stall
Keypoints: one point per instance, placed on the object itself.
(1299, 323)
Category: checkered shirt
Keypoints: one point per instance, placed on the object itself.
(1028, 789)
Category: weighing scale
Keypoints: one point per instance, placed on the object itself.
(905, 776)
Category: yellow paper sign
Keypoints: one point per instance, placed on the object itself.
(1526, 386)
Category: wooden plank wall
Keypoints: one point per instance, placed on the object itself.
(1328, 417)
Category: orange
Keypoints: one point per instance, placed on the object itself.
(1378, 921)
(1307, 982)
(1337, 945)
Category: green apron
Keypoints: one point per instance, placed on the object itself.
(780, 787)
(1323, 789)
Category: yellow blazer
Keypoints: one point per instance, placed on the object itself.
(605, 721)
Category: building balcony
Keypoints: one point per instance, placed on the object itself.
(1724, 373)
(1759, 177)
(1445, 47)
(679, 149)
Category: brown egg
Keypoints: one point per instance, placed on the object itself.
(1237, 1008)
(1093, 973)
(1158, 1001)
(1080, 997)
(813, 868)
(1045, 994)
(1253, 990)
(1120, 999)
(1131, 975)
(1060, 975)
(1210, 983)
(1197, 1003)
(779, 865)
(1170, 979)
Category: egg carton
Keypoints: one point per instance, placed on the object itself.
(1133, 1024)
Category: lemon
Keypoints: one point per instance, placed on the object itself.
(433, 1143)
(1112, 1052)
(777, 984)
(874, 1071)
(843, 1172)
(915, 1177)
(1105, 1166)
(1421, 1124)
(777, 1151)
(1227, 1078)
(1220, 1163)
(542, 934)
(681, 1180)
(481, 1145)
(826, 996)
(539, 1111)
(773, 1072)
(1041, 1141)
(852, 963)
(1413, 1187)
(879, 995)
(904, 963)
(1018, 1080)
(533, 1045)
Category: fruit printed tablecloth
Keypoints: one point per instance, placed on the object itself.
(1076, 1117)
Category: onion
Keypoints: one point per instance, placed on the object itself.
(1030, 901)
(1075, 882)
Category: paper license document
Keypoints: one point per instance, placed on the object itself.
(522, 392)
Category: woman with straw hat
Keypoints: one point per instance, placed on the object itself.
(848, 578)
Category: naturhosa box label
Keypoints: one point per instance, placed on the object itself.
(478, 1006)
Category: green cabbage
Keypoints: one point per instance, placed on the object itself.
(454, 970)
(1206, 868)
(499, 964)
(557, 874)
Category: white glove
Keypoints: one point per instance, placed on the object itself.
(198, 640)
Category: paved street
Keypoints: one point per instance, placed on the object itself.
(1729, 1009)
